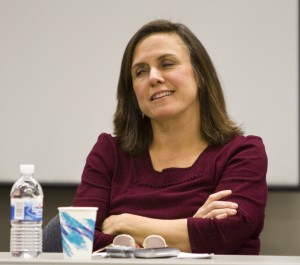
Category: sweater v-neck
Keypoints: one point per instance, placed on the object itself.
(145, 174)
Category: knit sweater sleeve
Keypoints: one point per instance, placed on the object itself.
(95, 187)
(242, 168)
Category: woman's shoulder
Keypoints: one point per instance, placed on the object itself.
(239, 145)
(249, 149)
(105, 142)
(248, 146)
(106, 137)
(241, 141)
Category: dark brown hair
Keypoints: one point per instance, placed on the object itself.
(133, 132)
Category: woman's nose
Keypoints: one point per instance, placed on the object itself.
(155, 76)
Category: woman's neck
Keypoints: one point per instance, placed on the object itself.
(176, 144)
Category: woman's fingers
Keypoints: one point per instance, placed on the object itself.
(220, 205)
(215, 208)
(217, 196)
(221, 213)
(215, 212)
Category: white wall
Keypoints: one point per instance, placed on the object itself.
(60, 60)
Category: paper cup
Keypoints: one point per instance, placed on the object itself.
(77, 229)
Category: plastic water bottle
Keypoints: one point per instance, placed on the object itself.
(26, 215)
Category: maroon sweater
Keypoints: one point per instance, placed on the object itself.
(117, 182)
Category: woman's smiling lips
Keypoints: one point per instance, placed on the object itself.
(161, 94)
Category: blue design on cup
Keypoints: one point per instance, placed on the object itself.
(75, 233)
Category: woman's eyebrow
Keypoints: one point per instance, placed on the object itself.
(167, 55)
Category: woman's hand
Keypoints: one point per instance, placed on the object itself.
(214, 208)
(113, 224)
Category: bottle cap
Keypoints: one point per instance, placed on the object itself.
(27, 169)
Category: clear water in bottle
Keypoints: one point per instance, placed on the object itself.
(26, 215)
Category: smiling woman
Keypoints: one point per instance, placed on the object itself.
(164, 80)
(178, 166)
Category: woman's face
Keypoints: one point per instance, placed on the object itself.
(163, 78)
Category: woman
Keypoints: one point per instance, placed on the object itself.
(178, 166)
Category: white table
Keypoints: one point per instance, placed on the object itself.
(57, 258)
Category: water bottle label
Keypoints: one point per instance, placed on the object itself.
(26, 209)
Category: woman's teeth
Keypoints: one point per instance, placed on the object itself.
(162, 94)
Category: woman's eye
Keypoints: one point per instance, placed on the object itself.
(167, 64)
(139, 72)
